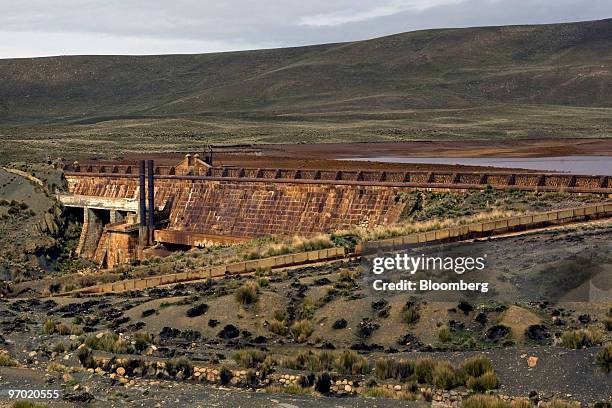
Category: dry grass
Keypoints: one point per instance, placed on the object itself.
(297, 244)
(582, 338)
(405, 228)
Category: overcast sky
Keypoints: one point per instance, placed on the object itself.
(60, 27)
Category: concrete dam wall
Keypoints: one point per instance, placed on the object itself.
(251, 209)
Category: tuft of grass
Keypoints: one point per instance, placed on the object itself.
(278, 327)
(27, 404)
(423, 370)
(307, 360)
(180, 365)
(142, 341)
(487, 381)
(445, 334)
(301, 330)
(604, 358)
(581, 338)
(444, 376)
(7, 361)
(485, 401)
(386, 368)
(109, 342)
(290, 389)
(349, 362)
(410, 313)
(49, 327)
(250, 358)
(476, 366)
(247, 293)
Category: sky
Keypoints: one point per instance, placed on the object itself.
(31, 28)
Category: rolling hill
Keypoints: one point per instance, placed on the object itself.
(560, 64)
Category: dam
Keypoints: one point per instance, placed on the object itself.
(194, 204)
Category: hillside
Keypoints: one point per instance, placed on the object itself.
(562, 64)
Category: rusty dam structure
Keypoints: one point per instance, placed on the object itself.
(128, 208)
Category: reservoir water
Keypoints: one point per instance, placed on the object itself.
(587, 165)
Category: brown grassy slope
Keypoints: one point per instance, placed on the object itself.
(567, 64)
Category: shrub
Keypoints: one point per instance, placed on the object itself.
(59, 347)
(423, 369)
(301, 330)
(278, 327)
(445, 334)
(142, 341)
(562, 404)
(289, 389)
(323, 383)
(410, 313)
(397, 369)
(7, 361)
(27, 404)
(280, 315)
(476, 366)
(181, 364)
(107, 342)
(308, 309)
(249, 358)
(604, 358)
(444, 376)
(582, 338)
(320, 361)
(247, 293)
(85, 357)
(350, 362)
(49, 327)
(487, 381)
(485, 401)
(225, 376)
(63, 329)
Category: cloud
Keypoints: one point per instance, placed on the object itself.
(59, 27)
(41, 44)
(353, 16)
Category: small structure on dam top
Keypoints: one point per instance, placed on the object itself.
(128, 208)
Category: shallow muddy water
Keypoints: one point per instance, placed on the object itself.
(588, 165)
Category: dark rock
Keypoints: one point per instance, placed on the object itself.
(259, 340)
(229, 332)
(367, 327)
(213, 323)
(83, 397)
(340, 324)
(322, 282)
(326, 345)
(465, 307)
(197, 310)
(481, 318)
(584, 319)
(409, 340)
(379, 304)
(537, 332)
(366, 347)
(497, 332)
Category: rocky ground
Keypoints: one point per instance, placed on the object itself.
(209, 322)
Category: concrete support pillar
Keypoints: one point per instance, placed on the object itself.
(116, 216)
(90, 234)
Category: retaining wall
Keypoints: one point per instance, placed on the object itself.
(219, 271)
